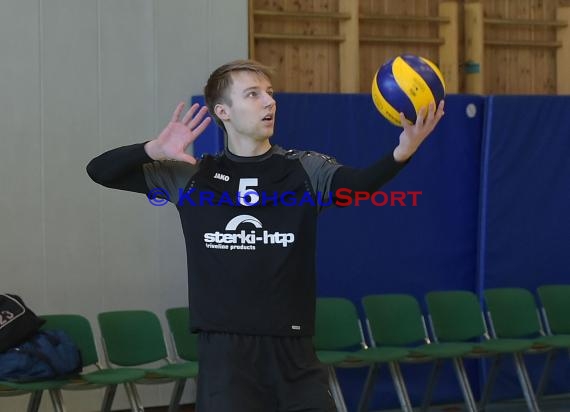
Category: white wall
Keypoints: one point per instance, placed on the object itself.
(78, 77)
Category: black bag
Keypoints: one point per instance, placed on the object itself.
(17, 322)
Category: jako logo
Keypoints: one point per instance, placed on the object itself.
(220, 176)
(230, 239)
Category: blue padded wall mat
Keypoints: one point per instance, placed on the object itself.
(524, 235)
(525, 228)
(405, 249)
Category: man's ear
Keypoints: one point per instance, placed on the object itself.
(221, 111)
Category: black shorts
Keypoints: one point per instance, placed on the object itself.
(243, 373)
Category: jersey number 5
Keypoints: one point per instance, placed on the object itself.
(246, 195)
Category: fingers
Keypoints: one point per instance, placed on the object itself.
(433, 115)
(189, 119)
(421, 116)
(198, 130)
(198, 118)
(403, 121)
(431, 112)
(188, 116)
(177, 112)
(196, 122)
(440, 112)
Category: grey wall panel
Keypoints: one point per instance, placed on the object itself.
(127, 112)
(230, 42)
(21, 170)
(78, 77)
(181, 38)
(69, 66)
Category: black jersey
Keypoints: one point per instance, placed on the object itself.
(250, 226)
(250, 230)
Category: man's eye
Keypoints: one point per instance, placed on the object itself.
(252, 94)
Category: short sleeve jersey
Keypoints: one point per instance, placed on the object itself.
(250, 229)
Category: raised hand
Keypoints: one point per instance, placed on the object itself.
(414, 134)
(173, 141)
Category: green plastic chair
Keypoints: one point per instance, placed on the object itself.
(456, 316)
(396, 321)
(134, 338)
(513, 314)
(35, 390)
(94, 375)
(339, 342)
(185, 343)
(555, 300)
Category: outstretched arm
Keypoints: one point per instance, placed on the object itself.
(122, 168)
(371, 178)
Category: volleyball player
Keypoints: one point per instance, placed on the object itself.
(250, 255)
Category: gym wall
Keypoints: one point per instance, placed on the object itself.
(78, 77)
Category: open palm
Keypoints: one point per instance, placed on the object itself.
(173, 141)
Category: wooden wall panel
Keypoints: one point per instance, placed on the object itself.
(544, 60)
(496, 61)
(563, 53)
(520, 69)
(374, 54)
(302, 66)
(520, 43)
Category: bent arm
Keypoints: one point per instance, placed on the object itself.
(162, 162)
(121, 168)
(371, 178)
(368, 179)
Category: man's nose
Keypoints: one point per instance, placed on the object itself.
(269, 100)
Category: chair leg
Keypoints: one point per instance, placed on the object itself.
(545, 373)
(176, 395)
(400, 386)
(59, 394)
(56, 400)
(133, 396)
(35, 400)
(368, 388)
(526, 384)
(470, 403)
(108, 398)
(434, 374)
(336, 390)
(486, 396)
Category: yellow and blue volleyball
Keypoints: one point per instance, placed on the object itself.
(405, 84)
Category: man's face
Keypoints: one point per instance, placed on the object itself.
(252, 110)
